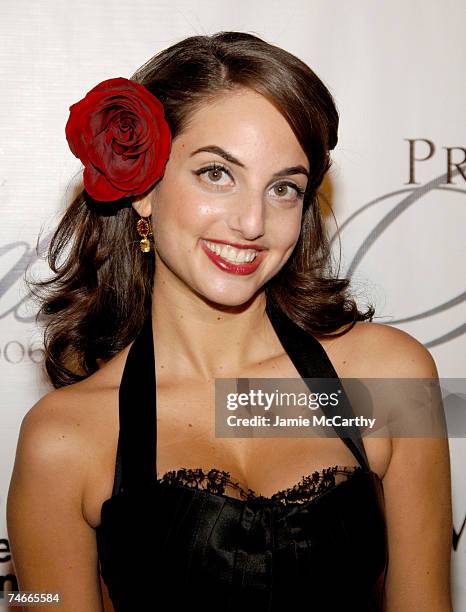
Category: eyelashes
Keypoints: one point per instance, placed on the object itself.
(300, 191)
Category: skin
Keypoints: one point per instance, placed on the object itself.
(64, 463)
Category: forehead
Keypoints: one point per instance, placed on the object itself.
(245, 122)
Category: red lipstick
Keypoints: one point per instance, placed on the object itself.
(227, 266)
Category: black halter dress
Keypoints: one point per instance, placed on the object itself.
(180, 541)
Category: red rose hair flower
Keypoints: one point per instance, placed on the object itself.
(119, 132)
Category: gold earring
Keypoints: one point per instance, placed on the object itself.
(144, 230)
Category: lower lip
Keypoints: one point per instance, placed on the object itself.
(232, 268)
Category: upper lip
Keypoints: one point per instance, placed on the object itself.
(237, 245)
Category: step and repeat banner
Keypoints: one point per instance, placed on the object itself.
(396, 188)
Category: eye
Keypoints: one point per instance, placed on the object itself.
(280, 189)
(214, 173)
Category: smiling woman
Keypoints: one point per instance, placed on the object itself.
(196, 251)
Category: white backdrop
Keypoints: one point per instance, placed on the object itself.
(396, 70)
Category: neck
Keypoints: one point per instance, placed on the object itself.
(195, 338)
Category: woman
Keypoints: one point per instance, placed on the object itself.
(218, 140)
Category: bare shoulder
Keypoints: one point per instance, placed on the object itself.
(64, 417)
(69, 429)
(378, 350)
(49, 435)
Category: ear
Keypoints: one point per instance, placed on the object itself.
(143, 205)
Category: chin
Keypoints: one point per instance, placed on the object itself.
(231, 298)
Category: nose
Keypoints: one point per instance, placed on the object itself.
(247, 216)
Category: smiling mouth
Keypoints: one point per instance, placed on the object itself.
(230, 253)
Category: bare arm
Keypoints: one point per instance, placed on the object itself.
(417, 491)
(53, 546)
(417, 487)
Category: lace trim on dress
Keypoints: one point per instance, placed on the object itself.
(217, 481)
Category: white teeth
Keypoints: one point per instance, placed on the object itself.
(231, 254)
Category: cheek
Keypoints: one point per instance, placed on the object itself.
(287, 232)
(182, 210)
(181, 219)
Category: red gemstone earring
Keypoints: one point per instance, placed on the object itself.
(144, 229)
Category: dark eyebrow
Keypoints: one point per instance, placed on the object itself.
(229, 157)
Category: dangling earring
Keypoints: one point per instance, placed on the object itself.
(144, 230)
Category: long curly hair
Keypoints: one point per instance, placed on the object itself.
(96, 301)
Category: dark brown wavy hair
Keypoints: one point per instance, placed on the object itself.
(101, 290)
